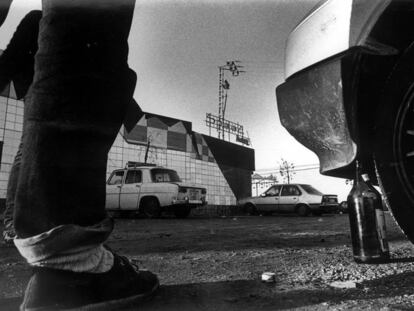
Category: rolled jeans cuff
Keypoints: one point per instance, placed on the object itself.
(69, 247)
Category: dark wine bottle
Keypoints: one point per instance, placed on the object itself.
(367, 223)
(379, 215)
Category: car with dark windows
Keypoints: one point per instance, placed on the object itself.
(348, 94)
(151, 190)
(290, 198)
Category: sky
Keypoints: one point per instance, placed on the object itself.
(176, 47)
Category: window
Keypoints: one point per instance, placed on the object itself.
(164, 175)
(273, 191)
(133, 177)
(116, 178)
(309, 189)
(290, 191)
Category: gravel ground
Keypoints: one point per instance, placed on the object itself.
(216, 264)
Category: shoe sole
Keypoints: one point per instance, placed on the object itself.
(110, 305)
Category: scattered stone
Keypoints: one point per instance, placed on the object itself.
(268, 277)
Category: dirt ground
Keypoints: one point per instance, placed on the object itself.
(216, 264)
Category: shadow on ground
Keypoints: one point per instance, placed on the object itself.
(236, 233)
(256, 295)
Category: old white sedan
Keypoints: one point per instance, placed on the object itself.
(291, 198)
(151, 190)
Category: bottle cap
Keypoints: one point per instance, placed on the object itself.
(365, 177)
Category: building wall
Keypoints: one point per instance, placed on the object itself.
(11, 125)
(173, 144)
(190, 169)
(236, 164)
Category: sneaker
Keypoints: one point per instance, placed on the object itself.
(122, 286)
(8, 236)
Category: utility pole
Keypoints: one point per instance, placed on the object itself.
(235, 68)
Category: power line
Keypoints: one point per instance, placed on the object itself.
(296, 166)
(277, 171)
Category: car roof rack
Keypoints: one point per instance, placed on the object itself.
(132, 164)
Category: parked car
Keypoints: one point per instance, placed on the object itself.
(291, 198)
(348, 94)
(151, 190)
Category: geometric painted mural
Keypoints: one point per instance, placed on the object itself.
(199, 159)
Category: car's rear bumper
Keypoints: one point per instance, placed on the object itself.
(332, 208)
(314, 107)
(331, 94)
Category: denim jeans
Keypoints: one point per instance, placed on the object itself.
(73, 112)
(11, 191)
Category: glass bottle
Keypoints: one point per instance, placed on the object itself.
(379, 215)
(366, 222)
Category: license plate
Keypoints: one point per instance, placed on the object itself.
(193, 194)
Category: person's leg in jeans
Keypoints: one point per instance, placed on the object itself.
(8, 231)
(73, 112)
(16, 64)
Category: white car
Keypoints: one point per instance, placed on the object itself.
(291, 198)
(151, 190)
(348, 94)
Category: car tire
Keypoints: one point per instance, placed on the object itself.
(151, 208)
(302, 210)
(182, 212)
(394, 144)
(251, 209)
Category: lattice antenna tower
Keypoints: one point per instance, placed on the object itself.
(235, 69)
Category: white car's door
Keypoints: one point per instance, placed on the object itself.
(289, 198)
(130, 190)
(113, 189)
(269, 201)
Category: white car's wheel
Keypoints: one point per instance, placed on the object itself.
(151, 208)
(251, 209)
(302, 210)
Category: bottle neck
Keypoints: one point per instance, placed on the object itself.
(357, 172)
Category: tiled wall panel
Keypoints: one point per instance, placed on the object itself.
(11, 124)
(187, 155)
(193, 171)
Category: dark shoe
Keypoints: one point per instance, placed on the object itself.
(122, 286)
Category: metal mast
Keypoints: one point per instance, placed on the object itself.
(234, 67)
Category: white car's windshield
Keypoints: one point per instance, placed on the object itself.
(309, 189)
(164, 175)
